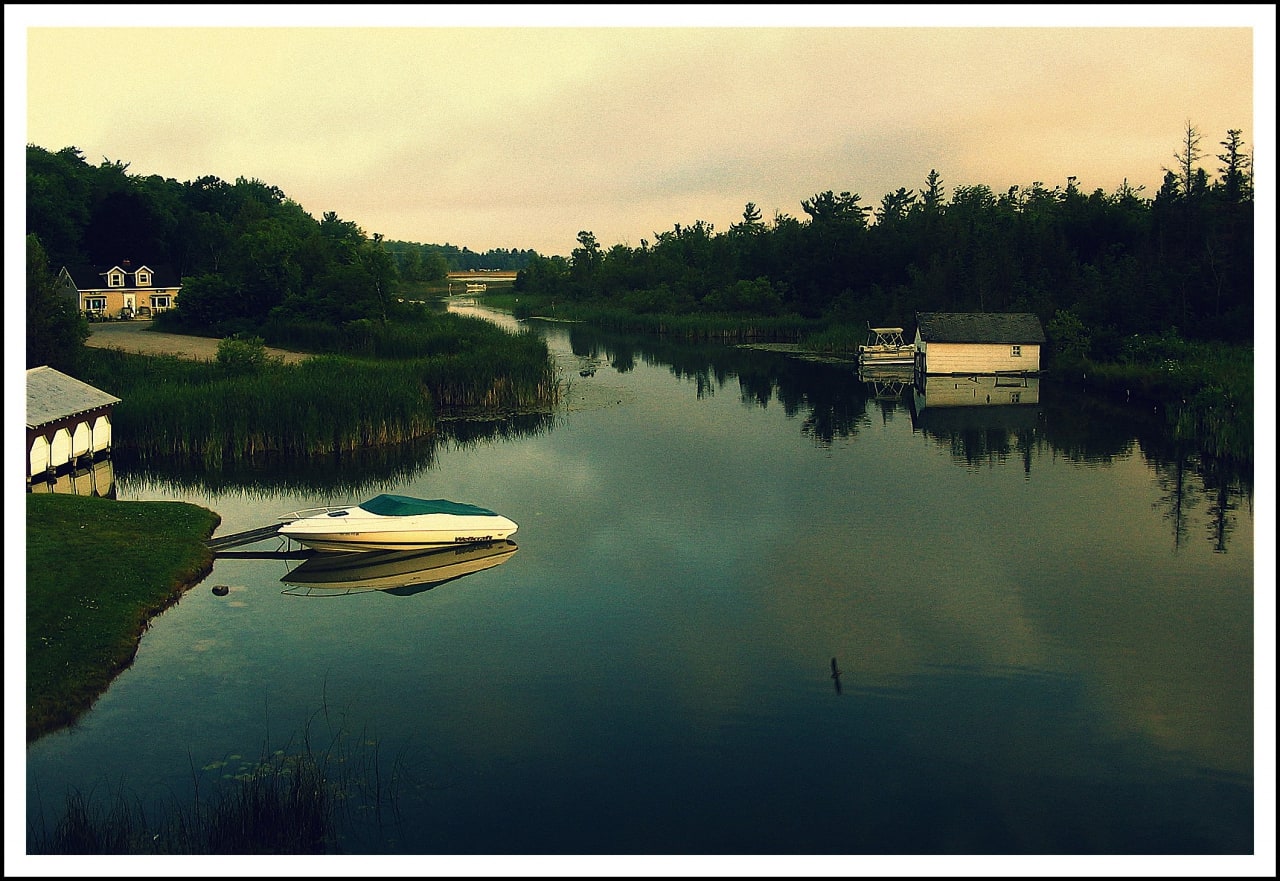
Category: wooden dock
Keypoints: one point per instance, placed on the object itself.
(237, 539)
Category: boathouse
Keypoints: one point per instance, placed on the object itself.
(968, 343)
(68, 422)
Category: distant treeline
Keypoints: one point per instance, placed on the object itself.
(1112, 264)
(432, 262)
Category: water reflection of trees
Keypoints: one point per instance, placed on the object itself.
(1089, 429)
(830, 400)
(1189, 477)
(372, 469)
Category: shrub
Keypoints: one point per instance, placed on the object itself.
(242, 355)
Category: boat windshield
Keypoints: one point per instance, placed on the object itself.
(886, 336)
(404, 506)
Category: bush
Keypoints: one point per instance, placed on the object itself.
(242, 355)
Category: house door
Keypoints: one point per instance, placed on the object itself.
(130, 305)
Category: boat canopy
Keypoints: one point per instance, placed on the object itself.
(886, 330)
(404, 506)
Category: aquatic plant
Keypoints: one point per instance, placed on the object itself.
(303, 798)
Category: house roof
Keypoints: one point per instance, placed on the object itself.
(52, 395)
(91, 278)
(979, 327)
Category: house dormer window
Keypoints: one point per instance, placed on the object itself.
(144, 278)
(115, 279)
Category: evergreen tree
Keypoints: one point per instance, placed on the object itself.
(56, 330)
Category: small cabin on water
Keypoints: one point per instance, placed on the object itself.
(966, 343)
(68, 422)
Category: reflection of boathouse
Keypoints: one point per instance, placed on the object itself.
(96, 479)
(976, 390)
(68, 426)
(945, 403)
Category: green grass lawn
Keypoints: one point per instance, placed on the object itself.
(98, 570)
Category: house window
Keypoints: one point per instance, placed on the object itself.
(159, 303)
(1017, 351)
(95, 304)
(115, 280)
(144, 279)
(1015, 397)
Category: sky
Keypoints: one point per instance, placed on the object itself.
(518, 127)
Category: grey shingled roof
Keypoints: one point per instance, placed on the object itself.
(52, 395)
(88, 277)
(979, 327)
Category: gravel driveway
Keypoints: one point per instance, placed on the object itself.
(137, 337)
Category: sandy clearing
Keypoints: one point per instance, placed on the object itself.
(137, 337)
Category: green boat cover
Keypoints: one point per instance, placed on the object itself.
(405, 506)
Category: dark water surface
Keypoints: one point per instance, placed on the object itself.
(1041, 619)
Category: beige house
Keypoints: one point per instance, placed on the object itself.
(122, 290)
(966, 343)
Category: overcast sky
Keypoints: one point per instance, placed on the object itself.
(451, 125)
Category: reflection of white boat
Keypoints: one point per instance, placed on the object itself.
(399, 572)
(888, 381)
(886, 346)
(395, 523)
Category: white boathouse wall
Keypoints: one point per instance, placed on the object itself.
(68, 422)
(979, 357)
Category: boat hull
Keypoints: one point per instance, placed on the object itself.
(400, 539)
(895, 356)
(358, 529)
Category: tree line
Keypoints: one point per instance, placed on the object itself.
(1108, 265)
(246, 253)
(1114, 264)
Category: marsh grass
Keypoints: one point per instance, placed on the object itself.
(388, 386)
(307, 797)
(1206, 389)
(838, 339)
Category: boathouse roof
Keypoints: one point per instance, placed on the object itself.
(52, 395)
(979, 327)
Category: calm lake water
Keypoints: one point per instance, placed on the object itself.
(1041, 618)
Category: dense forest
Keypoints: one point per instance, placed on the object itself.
(248, 256)
(1109, 265)
(1104, 265)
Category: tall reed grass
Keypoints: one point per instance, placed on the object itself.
(391, 388)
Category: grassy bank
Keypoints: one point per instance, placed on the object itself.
(98, 570)
(1206, 389)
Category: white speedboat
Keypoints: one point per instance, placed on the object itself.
(395, 523)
